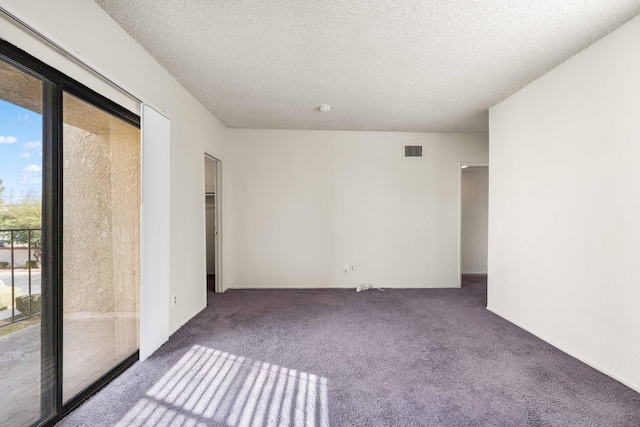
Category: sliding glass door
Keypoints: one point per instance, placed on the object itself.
(26, 337)
(69, 240)
(101, 235)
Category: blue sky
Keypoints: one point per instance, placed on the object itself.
(20, 152)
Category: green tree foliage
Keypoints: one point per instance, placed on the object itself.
(26, 214)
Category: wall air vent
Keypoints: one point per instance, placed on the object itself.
(413, 150)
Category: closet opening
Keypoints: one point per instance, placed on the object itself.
(212, 169)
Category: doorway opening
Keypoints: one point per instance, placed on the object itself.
(212, 175)
(474, 222)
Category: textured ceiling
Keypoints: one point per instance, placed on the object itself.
(386, 65)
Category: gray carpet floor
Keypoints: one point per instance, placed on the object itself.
(419, 357)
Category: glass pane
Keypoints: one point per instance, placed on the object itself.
(26, 376)
(101, 235)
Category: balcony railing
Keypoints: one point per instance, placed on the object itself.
(20, 274)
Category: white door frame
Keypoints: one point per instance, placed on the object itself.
(460, 169)
(219, 287)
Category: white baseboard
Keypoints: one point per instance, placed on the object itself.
(595, 366)
(345, 286)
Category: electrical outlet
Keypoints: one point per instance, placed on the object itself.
(353, 268)
(174, 300)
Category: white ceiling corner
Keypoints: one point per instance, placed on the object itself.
(386, 65)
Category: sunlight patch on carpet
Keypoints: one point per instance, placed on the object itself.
(208, 384)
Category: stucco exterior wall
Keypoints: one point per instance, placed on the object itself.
(101, 211)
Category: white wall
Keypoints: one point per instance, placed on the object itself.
(210, 175)
(20, 256)
(305, 203)
(475, 216)
(564, 186)
(89, 31)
